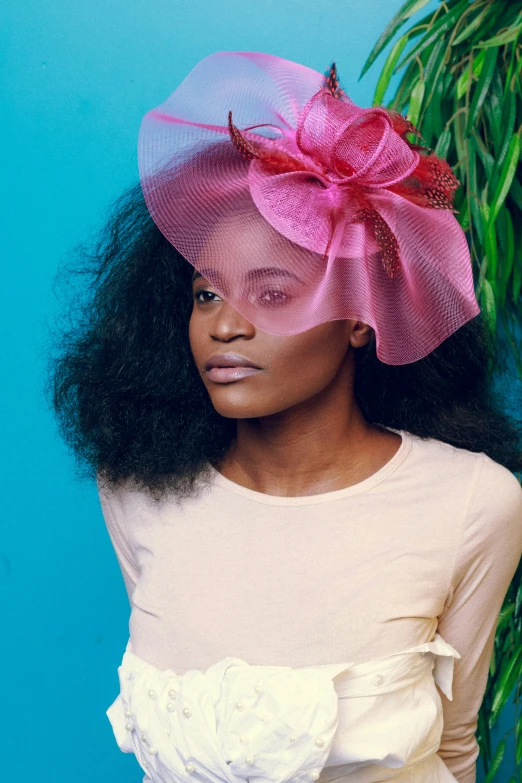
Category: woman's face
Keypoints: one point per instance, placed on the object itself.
(291, 369)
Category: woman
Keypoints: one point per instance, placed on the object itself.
(315, 514)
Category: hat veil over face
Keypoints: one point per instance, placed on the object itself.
(299, 207)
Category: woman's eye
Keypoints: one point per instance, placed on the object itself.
(203, 291)
(273, 297)
(268, 298)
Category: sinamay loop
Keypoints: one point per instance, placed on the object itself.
(299, 207)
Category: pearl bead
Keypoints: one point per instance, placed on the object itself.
(242, 738)
(152, 693)
(258, 689)
(265, 719)
(172, 693)
(315, 775)
(187, 712)
(153, 751)
(144, 738)
(128, 713)
(171, 707)
(189, 767)
(293, 737)
(129, 676)
(320, 743)
(129, 726)
(249, 760)
(378, 679)
(240, 705)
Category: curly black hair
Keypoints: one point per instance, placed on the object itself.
(129, 401)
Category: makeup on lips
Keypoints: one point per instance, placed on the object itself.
(224, 368)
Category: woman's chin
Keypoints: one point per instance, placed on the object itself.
(233, 404)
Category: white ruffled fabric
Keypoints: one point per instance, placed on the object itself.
(375, 721)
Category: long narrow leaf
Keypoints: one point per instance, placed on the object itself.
(481, 90)
(506, 37)
(507, 124)
(487, 304)
(405, 88)
(443, 143)
(473, 25)
(517, 272)
(415, 102)
(486, 158)
(506, 177)
(473, 190)
(435, 31)
(518, 754)
(503, 618)
(507, 237)
(405, 12)
(490, 246)
(516, 192)
(507, 681)
(434, 82)
(462, 82)
(497, 761)
(387, 71)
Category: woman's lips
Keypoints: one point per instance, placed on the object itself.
(227, 374)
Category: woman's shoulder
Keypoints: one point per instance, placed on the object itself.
(486, 478)
(487, 493)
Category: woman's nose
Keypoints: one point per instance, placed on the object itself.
(229, 323)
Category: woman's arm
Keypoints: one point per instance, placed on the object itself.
(486, 561)
(119, 535)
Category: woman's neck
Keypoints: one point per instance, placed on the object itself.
(320, 445)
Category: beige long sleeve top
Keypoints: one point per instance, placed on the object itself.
(424, 548)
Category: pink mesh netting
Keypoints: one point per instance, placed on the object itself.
(302, 208)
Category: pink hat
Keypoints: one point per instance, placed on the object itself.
(299, 207)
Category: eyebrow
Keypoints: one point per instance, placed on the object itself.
(263, 271)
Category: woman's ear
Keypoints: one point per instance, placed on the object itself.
(361, 334)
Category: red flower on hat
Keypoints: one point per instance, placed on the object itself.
(351, 152)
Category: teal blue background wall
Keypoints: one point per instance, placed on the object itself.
(76, 79)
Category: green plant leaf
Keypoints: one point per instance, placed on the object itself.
(487, 304)
(472, 185)
(463, 218)
(517, 273)
(490, 246)
(503, 618)
(476, 68)
(518, 601)
(506, 177)
(506, 234)
(417, 96)
(387, 71)
(497, 761)
(405, 12)
(402, 97)
(506, 682)
(473, 25)
(443, 23)
(492, 23)
(516, 189)
(484, 732)
(486, 158)
(507, 123)
(518, 752)
(506, 37)
(443, 143)
(509, 75)
(433, 76)
(481, 90)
